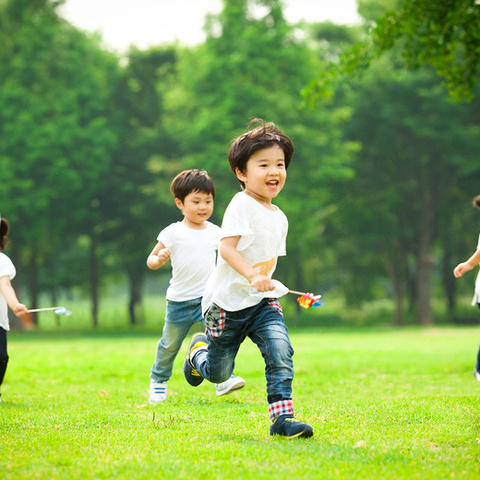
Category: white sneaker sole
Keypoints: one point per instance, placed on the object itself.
(232, 384)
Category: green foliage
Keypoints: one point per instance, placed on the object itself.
(233, 78)
(89, 143)
(404, 177)
(399, 410)
(56, 140)
(443, 34)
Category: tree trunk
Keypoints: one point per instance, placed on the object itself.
(33, 286)
(424, 257)
(94, 279)
(448, 281)
(136, 283)
(395, 267)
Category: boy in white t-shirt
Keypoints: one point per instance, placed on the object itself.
(192, 247)
(241, 299)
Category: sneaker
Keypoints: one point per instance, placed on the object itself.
(229, 386)
(476, 374)
(197, 343)
(158, 392)
(286, 426)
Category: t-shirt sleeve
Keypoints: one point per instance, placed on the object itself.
(7, 269)
(166, 236)
(236, 223)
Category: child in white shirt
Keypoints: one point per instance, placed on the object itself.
(191, 245)
(241, 299)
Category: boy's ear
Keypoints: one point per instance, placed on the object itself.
(178, 203)
(240, 175)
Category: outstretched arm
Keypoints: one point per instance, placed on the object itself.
(229, 252)
(464, 267)
(8, 293)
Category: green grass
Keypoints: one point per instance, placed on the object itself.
(384, 404)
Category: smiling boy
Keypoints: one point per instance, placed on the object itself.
(241, 299)
(192, 247)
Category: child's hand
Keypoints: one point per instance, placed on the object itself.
(163, 255)
(461, 268)
(20, 309)
(262, 283)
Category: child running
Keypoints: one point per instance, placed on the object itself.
(8, 297)
(240, 299)
(464, 267)
(191, 245)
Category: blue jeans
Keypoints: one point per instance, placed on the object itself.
(264, 325)
(179, 319)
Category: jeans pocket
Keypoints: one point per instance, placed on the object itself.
(215, 321)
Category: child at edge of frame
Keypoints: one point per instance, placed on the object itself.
(191, 245)
(465, 267)
(8, 297)
(240, 298)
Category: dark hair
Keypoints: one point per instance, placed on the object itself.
(476, 201)
(258, 138)
(190, 181)
(4, 228)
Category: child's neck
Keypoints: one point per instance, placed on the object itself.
(267, 203)
(193, 225)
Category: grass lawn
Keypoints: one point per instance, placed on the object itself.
(384, 404)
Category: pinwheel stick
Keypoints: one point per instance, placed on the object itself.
(305, 299)
(57, 310)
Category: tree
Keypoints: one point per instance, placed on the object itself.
(56, 142)
(443, 34)
(252, 65)
(417, 146)
(136, 200)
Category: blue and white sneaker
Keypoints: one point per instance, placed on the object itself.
(158, 392)
(476, 374)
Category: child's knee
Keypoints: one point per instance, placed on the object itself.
(219, 375)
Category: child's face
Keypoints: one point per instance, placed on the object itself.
(265, 174)
(197, 208)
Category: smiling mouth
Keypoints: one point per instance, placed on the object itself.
(273, 183)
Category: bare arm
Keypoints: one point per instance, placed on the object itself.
(229, 252)
(8, 293)
(158, 256)
(464, 267)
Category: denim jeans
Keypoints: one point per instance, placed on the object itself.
(264, 325)
(179, 319)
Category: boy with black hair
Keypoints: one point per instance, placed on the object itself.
(241, 299)
(192, 247)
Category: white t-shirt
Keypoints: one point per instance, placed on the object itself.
(263, 234)
(194, 254)
(476, 294)
(6, 269)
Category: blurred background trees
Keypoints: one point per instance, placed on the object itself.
(378, 193)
